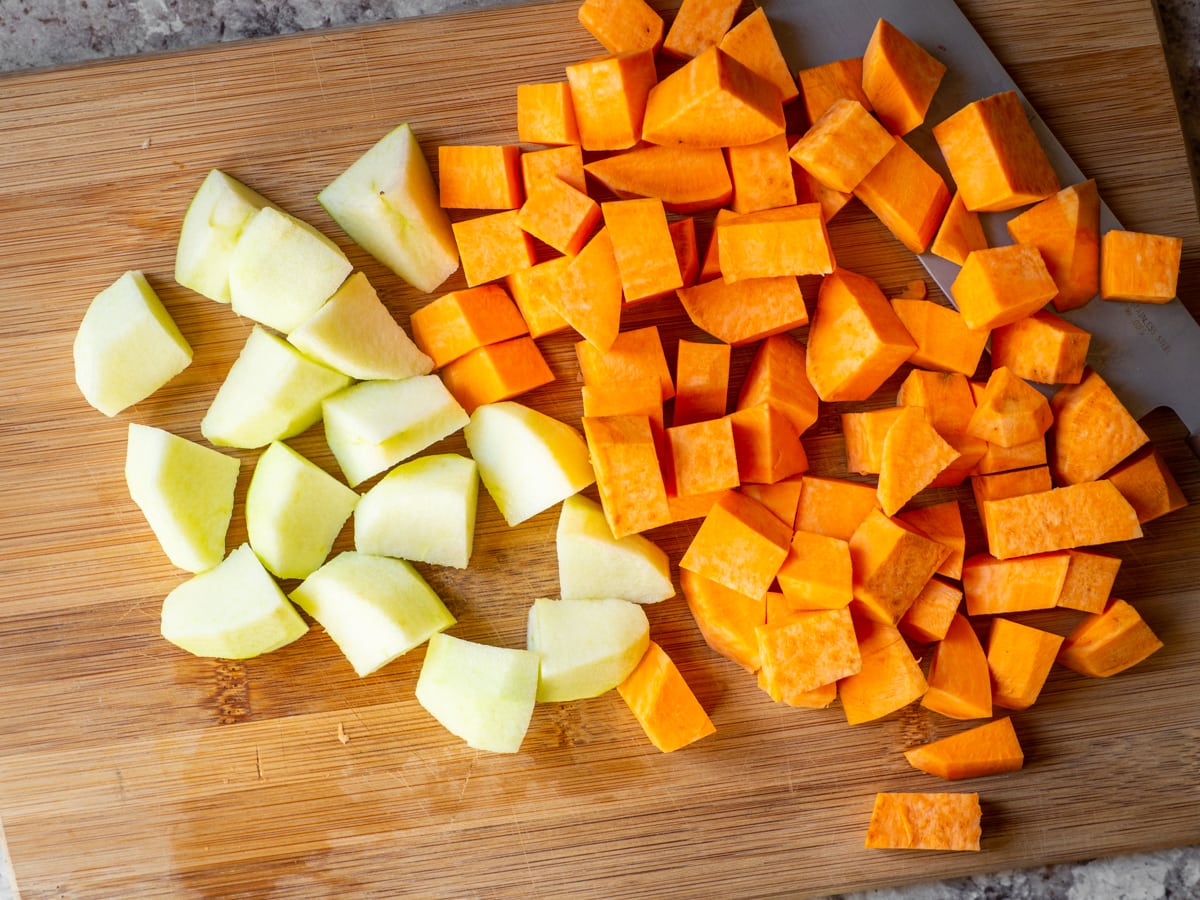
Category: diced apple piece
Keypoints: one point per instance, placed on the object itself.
(423, 510)
(528, 461)
(185, 490)
(356, 334)
(294, 512)
(592, 563)
(233, 611)
(272, 392)
(127, 346)
(214, 220)
(374, 607)
(372, 425)
(282, 270)
(483, 694)
(388, 204)
(587, 646)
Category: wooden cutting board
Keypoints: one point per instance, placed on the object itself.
(128, 768)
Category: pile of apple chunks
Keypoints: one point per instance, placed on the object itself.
(825, 588)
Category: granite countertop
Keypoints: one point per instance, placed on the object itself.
(41, 33)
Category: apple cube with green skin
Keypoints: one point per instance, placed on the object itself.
(528, 461)
(127, 346)
(356, 334)
(294, 512)
(587, 646)
(375, 608)
(282, 270)
(480, 693)
(387, 203)
(422, 510)
(372, 425)
(214, 221)
(592, 563)
(235, 610)
(272, 392)
(185, 490)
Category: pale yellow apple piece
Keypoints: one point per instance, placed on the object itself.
(592, 563)
(587, 646)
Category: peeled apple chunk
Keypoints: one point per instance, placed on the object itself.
(185, 490)
(387, 203)
(272, 392)
(214, 220)
(127, 346)
(592, 563)
(233, 611)
(587, 646)
(294, 511)
(372, 425)
(480, 693)
(422, 510)
(355, 334)
(528, 461)
(282, 270)
(374, 607)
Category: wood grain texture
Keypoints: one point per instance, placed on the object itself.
(129, 768)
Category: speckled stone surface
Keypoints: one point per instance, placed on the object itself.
(43, 33)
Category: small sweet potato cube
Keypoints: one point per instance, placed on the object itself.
(890, 677)
(762, 175)
(703, 457)
(559, 215)
(686, 179)
(842, 146)
(492, 246)
(752, 42)
(777, 376)
(622, 26)
(961, 232)
(944, 342)
(479, 177)
(916, 289)
(817, 573)
(496, 372)
(817, 698)
(545, 114)
(660, 699)
(628, 474)
(863, 434)
(456, 323)
(781, 498)
(807, 650)
(1012, 483)
(1109, 642)
(1090, 580)
(710, 265)
(742, 312)
(1143, 268)
(1010, 412)
(1078, 515)
(948, 401)
(740, 544)
(701, 381)
(892, 563)
(637, 353)
(532, 288)
(929, 617)
(609, 95)
(856, 341)
(565, 162)
(687, 253)
(1145, 481)
(643, 248)
(638, 395)
(912, 456)
(1093, 431)
(821, 86)
(907, 195)
(789, 240)
(809, 190)
(944, 523)
(994, 156)
(589, 292)
(726, 619)
(987, 749)
(687, 506)
(960, 685)
(1019, 658)
(768, 445)
(1065, 227)
(1042, 348)
(930, 821)
(1000, 285)
(1019, 584)
(698, 26)
(1005, 459)
(900, 77)
(834, 506)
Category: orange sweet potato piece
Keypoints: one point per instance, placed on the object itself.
(622, 26)
(781, 498)
(961, 232)
(1012, 483)
(913, 455)
(1010, 411)
(1065, 227)
(910, 821)
(643, 248)
(788, 240)
(842, 146)
(559, 215)
(900, 77)
(479, 177)
(856, 341)
(637, 353)
(1140, 267)
(710, 265)
(949, 403)
(817, 698)
(987, 749)
(662, 702)
(752, 42)
(698, 26)
(907, 195)
(821, 86)
(492, 246)
(1093, 431)
(687, 254)
(454, 324)
(944, 342)
(777, 376)
(960, 684)
(762, 175)
(863, 434)
(545, 113)
(892, 562)
(1145, 481)
(628, 474)
(531, 290)
(916, 289)
(1004, 459)
(1078, 515)
(639, 395)
(1109, 642)
(807, 650)
(589, 292)
(726, 619)
(1000, 285)
(609, 95)
(1019, 657)
(1013, 585)
(565, 162)
(816, 573)
(745, 311)
(740, 544)
(994, 155)
(943, 522)
(1042, 348)
(496, 372)
(809, 190)
(687, 506)
(686, 179)
(929, 617)
(703, 456)
(712, 101)
(834, 506)
(768, 445)
(890, 677)
(1090, 580)
(701, 381)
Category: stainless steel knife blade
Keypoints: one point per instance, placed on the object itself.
(1148, 353)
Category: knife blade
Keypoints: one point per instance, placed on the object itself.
(1147, 353)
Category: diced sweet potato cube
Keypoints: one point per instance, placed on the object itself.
(795, 235)
(762, 175)
(479, 177)
(781, 498)
(702, 381)
(1000, 285)
(531, 290)
(834, 506)
(1019, 657)
(960, 685)
(492, 246)
(890, 677)
(948, 401)
(752, 42)
(688, 506)
(929, 617)
(1093, 431)
(910, 821)
(726, 619)
(1078, 515)
(777, 376)
(1108, 642)
(892, 563)
(807, 650)
(913, 455)
(768, 445)
(454, 324)
(1004, 459)
(1013, 585)
(1012, 483)
(628, 474)
(643, 248)
(961, 232)
(821, 86)
(662, 702)
(1065, 227)
(545, 113)
(609, 94)
(900, 77)
(944, 342)
(1010, 411)
(638, 395)
(1140, 267)
(842, 146)
(809, 190)
(704, 458)
(565, 162)
(559, 215)
(943, 522)
(496, 372)
(740, 544)
(816, 573)
(745, 311)
(1042, 348)
(907, 195)
(637, 353)
(1090, 580)
(589, 292)
(622, 26)
(687, 254)
(686, 179)
(987, 749)
(1145, 481)
(698, 26)
(863, 434)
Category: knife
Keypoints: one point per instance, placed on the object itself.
(1148, 353)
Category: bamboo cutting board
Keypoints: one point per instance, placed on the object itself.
(128, 768)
